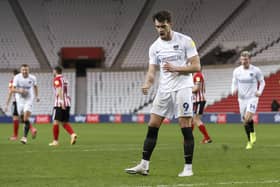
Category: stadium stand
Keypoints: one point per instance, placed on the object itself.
(68, 23)
(258, 22)
(116, 92)
(192, 17)
(15, 50)
(46, 93)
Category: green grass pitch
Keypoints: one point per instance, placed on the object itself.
(103, 151)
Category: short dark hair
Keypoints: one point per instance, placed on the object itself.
(58, 69)
(15, 71)
(162, 16)
(24, 65)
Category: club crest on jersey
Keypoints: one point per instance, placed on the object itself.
(175, 47)
(29, 82)
(56, 82)
(251, 74)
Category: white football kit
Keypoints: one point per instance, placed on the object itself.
(25, 101)
(174, 96)
(245, 81)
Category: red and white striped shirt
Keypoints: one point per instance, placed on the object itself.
(198, 79)
(60, 82)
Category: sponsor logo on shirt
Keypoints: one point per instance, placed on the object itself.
(176, 47)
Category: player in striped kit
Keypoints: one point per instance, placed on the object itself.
(245, 81)
(199, 101)
(61, 112)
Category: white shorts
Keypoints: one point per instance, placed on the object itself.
(24, 106)
(248, 105)
(178, 103)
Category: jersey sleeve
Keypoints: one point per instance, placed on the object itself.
(260, 78)
(259, 74)
(152, 56)
(191, 50)
(234, 83)
(35, 81)
(15, 81)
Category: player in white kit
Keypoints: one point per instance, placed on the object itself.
(26, 90)
(177, 58)
(245, 82)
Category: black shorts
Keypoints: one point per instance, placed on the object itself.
(14, 108)
(198, 107)
(61, 115)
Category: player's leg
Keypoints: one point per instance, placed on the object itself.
(33, 131)
(195, 111)
(242, 109)
(149, 145)
(28, 108)
(251, 108)
(57, 117)
(162, 107)
(67, 126)
(184, 106)
(247, 120)
(202, 129)
(185, 124)
(15, 121)
(199, 123)
(26, 121)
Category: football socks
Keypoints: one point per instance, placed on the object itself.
(68, 128)
(55, 131)
(26, 127)
(188, 144)
(150, 142)
(16, 125)
(247, 130)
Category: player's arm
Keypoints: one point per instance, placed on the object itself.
(18, 90)
(15, 89)
(260, 78)
(8, 99)
(196, 87)
(234, 83)
(36, 91)
(149, 80)
(192, 66)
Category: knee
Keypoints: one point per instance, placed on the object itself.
(185, 122)
(247, 120)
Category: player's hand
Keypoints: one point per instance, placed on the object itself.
(22, 91)
(257, 94)
(145, 89)
(169, 67)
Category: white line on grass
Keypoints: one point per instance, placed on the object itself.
(74, 149)
(97, 148)
(216, 184)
